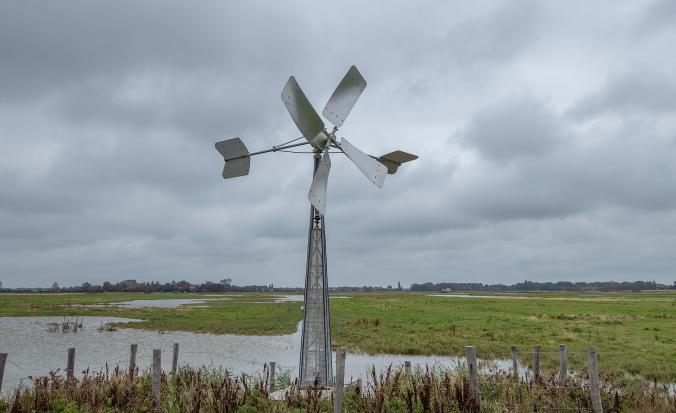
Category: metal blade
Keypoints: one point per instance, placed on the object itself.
(372, 169)
(317, 194)
(236, 167)
(303, 114)
(231, 148)
(344, 97)
(236, 157)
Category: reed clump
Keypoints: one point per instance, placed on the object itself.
(392, 390)
(66, 326)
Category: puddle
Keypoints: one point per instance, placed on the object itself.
(32, 351)
(289, 298)
(177, 302)
(163, 303)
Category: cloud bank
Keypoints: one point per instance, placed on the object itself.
(546, 134)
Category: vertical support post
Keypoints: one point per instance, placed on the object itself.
(157, 371)
(563, 362)
(594, 381)
(132, 360)
(3, 359)
(70, 367)
(536, 362)
(271, 379)
(473, 372)
(174, 361)
(515, 361)
(407, 367)
(340, 381)
(315, 348)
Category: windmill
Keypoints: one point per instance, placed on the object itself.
(315, 354)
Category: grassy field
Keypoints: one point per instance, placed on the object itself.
(634, 333)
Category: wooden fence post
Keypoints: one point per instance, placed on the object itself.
(407, 367)
(515, 361)
(594, 381)
(174, 362)
(132, 360)
(157, 371)
(536, 363)
(473, 372)
(3, 359)
(70, 367)
(340, 381)
(271, 379)
(563, 362)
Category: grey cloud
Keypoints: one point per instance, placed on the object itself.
(108, 115)
(645, 91)
(495, 35)
(660, 15)
(512, 129)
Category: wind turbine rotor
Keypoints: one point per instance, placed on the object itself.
(303, 114)
(317, 194)
(371, 168)
(344, 97)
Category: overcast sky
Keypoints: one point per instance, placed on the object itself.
(546, 132)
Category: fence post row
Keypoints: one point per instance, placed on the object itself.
(563, 362)
(132, 360)
(157, 371)
(594, 381)
(174, 362)
(340, 381)
(473, 371)
(271, 379)
(536, 363)
(472, 368)
(70, 367)
(3, 359)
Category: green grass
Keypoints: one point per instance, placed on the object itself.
(250, 314)
(634, 333)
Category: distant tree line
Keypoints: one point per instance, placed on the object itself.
(226, 285)
(182, 286)
(546, 286)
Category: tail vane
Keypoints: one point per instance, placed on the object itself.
(236, 157)
(393, 160)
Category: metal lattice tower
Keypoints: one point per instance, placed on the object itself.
(315, 349)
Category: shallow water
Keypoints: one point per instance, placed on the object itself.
(177, 302)
(32, 351)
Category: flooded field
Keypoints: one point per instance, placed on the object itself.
(33, 351)
(633, 332)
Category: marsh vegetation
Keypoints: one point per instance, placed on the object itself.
(391, 390)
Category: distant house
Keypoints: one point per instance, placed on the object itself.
(129, 284)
